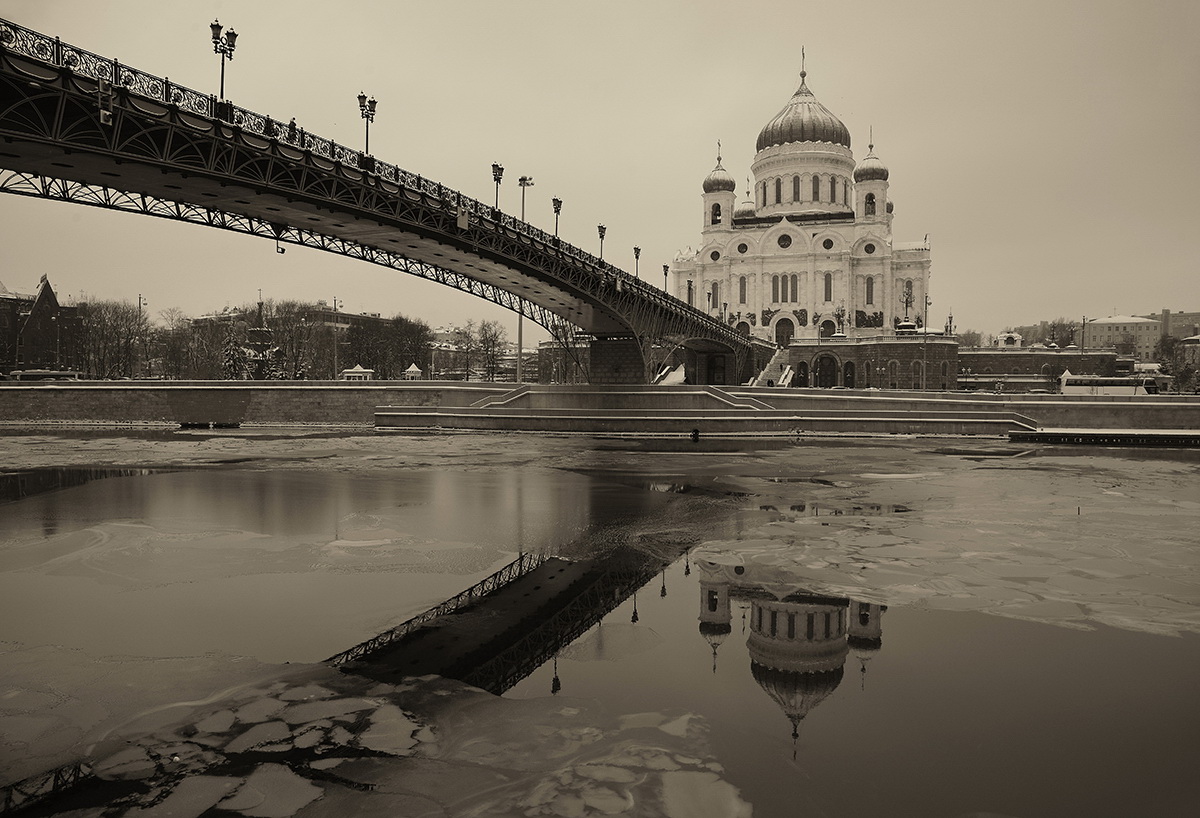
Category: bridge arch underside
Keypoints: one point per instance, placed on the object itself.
(156, 159)
(704, 361)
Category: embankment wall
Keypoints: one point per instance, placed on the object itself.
(225, 402)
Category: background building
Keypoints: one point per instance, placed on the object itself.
(1178, 324)
(1129, 335)
(37, 332)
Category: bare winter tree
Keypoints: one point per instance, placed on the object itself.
(490, 338)
(113, 338)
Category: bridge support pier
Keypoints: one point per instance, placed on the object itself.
(616, 360)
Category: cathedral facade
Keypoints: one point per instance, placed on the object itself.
(808, 254)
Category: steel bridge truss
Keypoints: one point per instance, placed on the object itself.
(63, 190)
(57, 95)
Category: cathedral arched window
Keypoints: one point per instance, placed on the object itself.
(795, 188)
(742, 290)
(764, 194)
(816, 188)
(774, 288)
(778, 191)
(833, 189)
(870, 290)
(829, 287)
(795, 287)
(716, 213)
(869, 205)
(716, 299)
(846, 191)
(690, 293)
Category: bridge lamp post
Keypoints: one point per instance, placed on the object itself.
(666, 269)
(601, 229)
(557, 204)
(366, 107)
(497, 175)
(637, 254)
(223, 46)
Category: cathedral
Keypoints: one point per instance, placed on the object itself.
(807, 257)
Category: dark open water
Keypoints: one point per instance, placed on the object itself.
(943, 702)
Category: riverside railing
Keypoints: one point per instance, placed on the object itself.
(515, 569)
(52, 50)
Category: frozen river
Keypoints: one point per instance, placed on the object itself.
(844, 628)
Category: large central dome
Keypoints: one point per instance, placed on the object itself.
(803, 119)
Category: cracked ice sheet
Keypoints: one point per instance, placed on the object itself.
(93, 698)
(546, 756)
(433, 746)
(1047, 539)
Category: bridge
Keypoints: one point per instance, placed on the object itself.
(81, 128)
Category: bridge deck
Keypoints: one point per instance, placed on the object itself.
(453, 645)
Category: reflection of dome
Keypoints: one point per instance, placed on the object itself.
(796, 693)
(714, 633)
(719, 179)
(870, 169)
(803, 119)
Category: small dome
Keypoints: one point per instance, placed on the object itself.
(746, 209)
(719, 180)
(803, 119)
(870, 169)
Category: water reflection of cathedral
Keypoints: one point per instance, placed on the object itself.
(798, 641)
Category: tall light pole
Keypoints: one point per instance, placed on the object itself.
(637, 254)
(666, 269)
(557, 204)
(524, 182)
(366, 107)
(925, 344)
(497, 175)
(142, 302)
(601, 229)
(223, 46)
(335, 338)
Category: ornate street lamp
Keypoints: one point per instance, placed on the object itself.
(666, 269)
(497, 175)
(637, 254)
(557, 204)
(223, 46)
(601, 229)
(366, 107)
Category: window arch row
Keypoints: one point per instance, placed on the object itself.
(785, 288)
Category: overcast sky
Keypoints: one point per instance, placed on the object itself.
(1046, 147)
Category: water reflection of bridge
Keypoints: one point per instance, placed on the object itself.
(494, 638)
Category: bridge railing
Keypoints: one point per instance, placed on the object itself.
(52, 50)
(517, 568)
